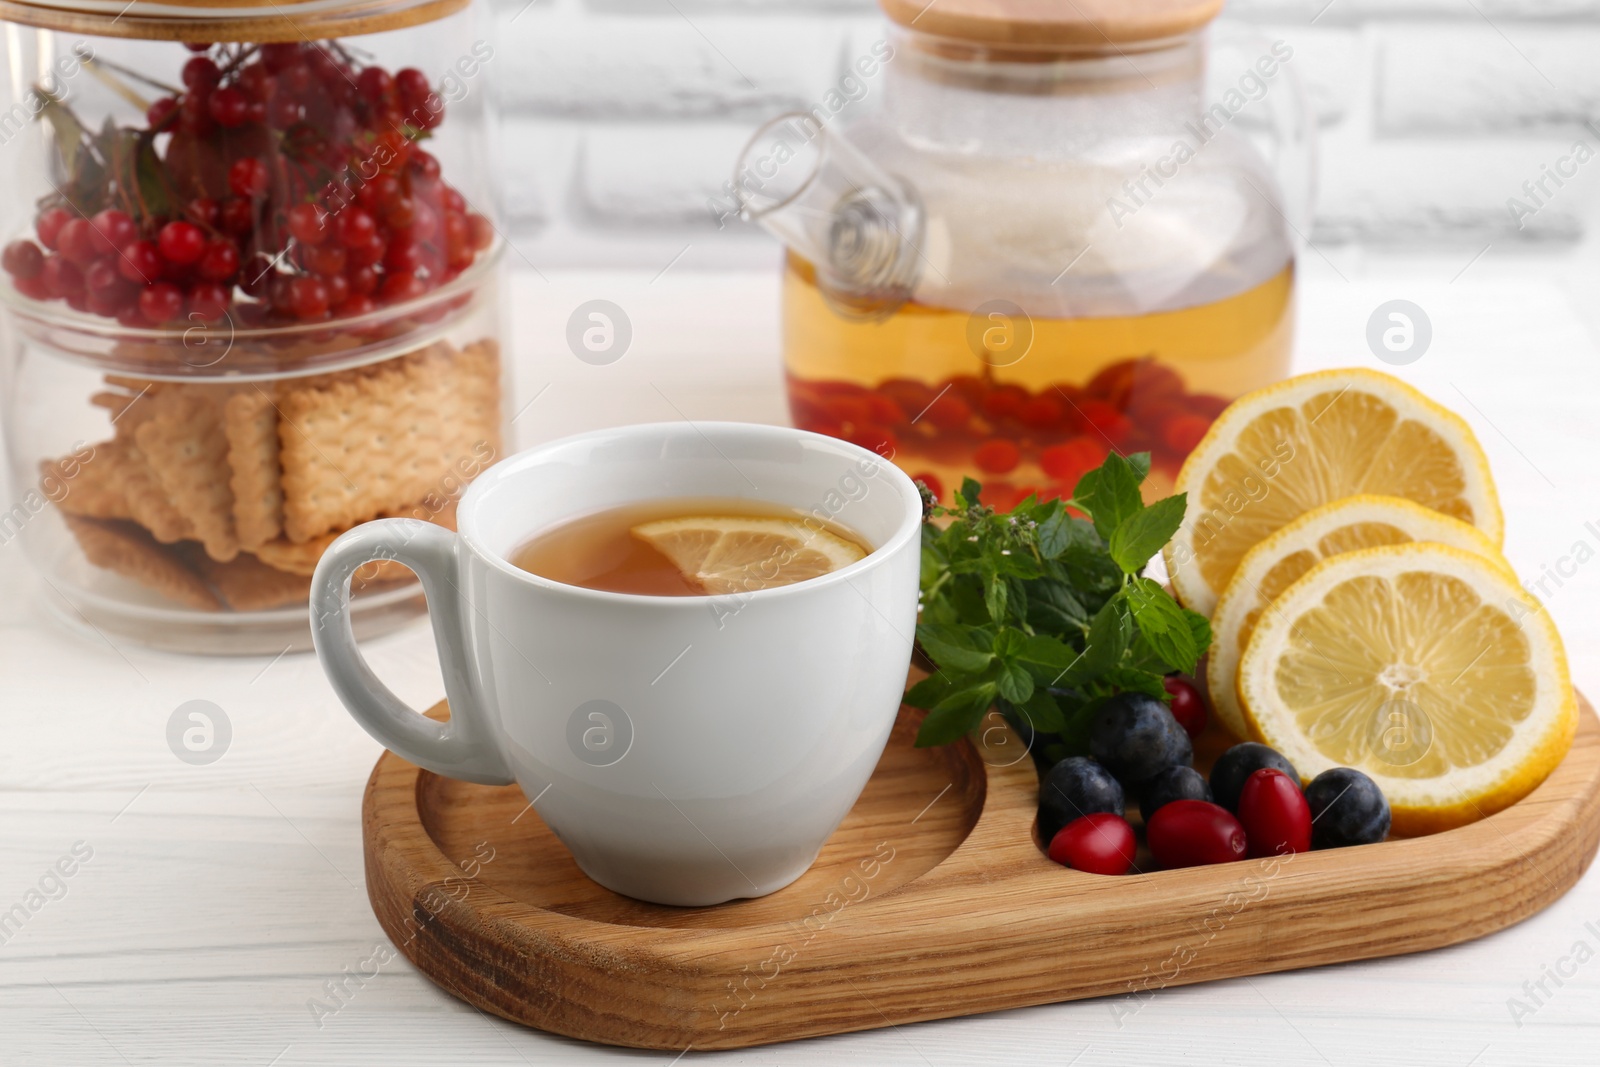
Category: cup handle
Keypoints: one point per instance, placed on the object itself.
(462, 748)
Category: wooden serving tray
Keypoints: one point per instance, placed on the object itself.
(931, 900)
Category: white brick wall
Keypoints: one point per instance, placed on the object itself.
(623, 116)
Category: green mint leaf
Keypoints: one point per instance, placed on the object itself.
(1055, 532)
(929, 691)
(1110, 493)
(1054, 608)
(1015, 684)
(1007, 643)
(1047, 652)
(1125, 680)
(1042, 713)
(956, 715)
(994, 598)
(970, 490)
(966, 594)
(1108, 639)
(955, 648)
(1200, 627)
(1163, 624)
(1140, 462)
(1142, 533)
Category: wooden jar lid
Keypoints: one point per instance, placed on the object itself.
(257, 21)
(1052, 23)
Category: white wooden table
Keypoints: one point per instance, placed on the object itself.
(220, 900)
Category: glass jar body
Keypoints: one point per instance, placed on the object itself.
(1104, 264)
(251, 296)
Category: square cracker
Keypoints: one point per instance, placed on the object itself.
(131, 552)
(91, 487)
(355, 446)
(250, 420)
(302, 557)
(183, 441)
(245, 583)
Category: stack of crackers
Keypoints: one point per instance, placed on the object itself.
(223, 496)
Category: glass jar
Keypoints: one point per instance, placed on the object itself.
(1044, 243)
(251, 300)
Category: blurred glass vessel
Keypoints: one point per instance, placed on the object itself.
(1047, 242)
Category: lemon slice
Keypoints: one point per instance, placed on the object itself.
(1356, 522)
(1275, 454)
(725, 554)
(1427, 667)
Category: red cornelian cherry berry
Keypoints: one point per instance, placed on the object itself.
(412, 84)
(248, 177)
(48, 225)
(200, 73)
(398, 288)
(1193, 833)
(481, 232)
(209, 301)
(203, 211)
(113, 229)
(324, 260)
(181, 243)
(454, 201)
(1274, 813)
(403, 256)
(997, 456)
(102, 275)
(375, 85)
(229, 107)
(238, 216)
(357, 304)
(370, 254)
(306, 298)
(23, 259)
(284, 111)
(363, 279)
(256, 82)
(307, 224)
(279, 57)
(220, 261)
(1186, 705)
(356, 227)
(61, 277)
(198, 46)
(338, 289)
(140, 262)
(160, 114)
(1099, 843)
(161, 303)
(77, 242)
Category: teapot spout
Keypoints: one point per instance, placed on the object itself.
(860, 227)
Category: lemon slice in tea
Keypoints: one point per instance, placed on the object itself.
(735, 554)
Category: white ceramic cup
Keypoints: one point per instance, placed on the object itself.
(687, 750)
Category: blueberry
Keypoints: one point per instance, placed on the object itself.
(1075, 787)
(1347, 808)
(1228, 774)
(1174, 783)
(1137, 738)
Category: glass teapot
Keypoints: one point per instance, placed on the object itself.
(1046, 242)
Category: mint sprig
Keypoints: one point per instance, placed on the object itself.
(1045, 614)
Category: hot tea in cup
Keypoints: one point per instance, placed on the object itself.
(687, 643)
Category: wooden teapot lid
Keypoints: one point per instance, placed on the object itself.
(257, 21)
(1052, 23)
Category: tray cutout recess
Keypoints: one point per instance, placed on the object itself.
(932, 900)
